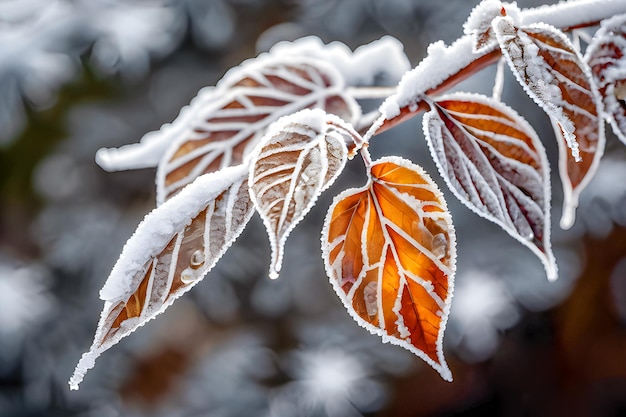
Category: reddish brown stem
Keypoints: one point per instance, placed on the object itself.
(477, 65)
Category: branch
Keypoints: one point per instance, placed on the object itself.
(445, 66)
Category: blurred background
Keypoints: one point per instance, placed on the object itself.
(77, 75)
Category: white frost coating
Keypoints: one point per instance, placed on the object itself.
(336, 281)
(360, 67)
(148, 151)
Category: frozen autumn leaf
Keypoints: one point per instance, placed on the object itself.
(493, 161)
(300, 157)
(246, 101)
(555, 75)
(605, 56)
(390, 253)
(172, 249)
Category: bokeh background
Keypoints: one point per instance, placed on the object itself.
(77, 75)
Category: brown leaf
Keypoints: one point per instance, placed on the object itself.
(246, 101)
(172, 249)
(299, 158)
(606, 57)
(390, 253)
(493, 161)
(555, 75)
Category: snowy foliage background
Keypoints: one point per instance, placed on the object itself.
(77, 75)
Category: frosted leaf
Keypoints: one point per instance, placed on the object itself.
(222, 126)
(223, 131)
(172, 249)
(300, 157)
(606, 57)
(493, 161)
(390, 252)
(556, 77)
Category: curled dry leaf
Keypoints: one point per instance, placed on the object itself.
(493, 161)
(172, 249)
(300, 157)
(390, 253)
(606, 57)
(555, 75)
(246, 101)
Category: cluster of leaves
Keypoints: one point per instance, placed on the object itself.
(278, 130)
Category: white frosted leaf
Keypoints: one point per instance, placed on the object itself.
(554, 74)
(300, 157)
(390, 252)
(172, 249)
(493, 161)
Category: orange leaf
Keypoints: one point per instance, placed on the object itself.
(607, 59)
(555, 75)
(390, 253)
(493, 161)
(172, 249)
(300, 157)
(244, 103)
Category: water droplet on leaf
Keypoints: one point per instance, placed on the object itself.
(439, 246)
(188, 276)
(197, 259)
(370, 296)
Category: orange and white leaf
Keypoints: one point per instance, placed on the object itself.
(606, 55)
(300, 157)
(223, 130)
(554, 74)
(172, 249)
(390, 253)
(493, 161)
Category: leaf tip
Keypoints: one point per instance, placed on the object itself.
(87, 361)
(445, 373)
(568, 216)
(273, 274)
